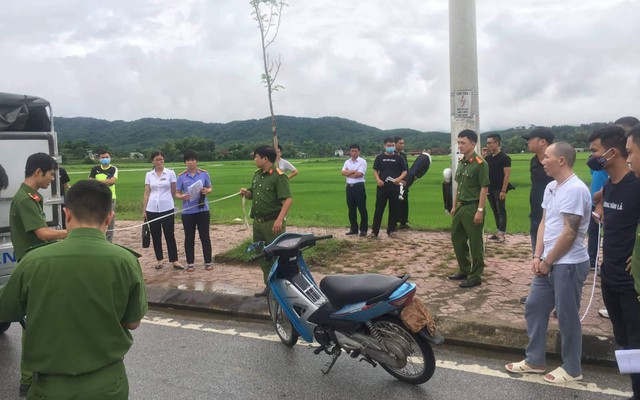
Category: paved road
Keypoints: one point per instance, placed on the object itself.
(194, 356)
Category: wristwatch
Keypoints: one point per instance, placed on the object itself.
(480, 209)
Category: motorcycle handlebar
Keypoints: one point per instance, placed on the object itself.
(256, 257)
(324, 237)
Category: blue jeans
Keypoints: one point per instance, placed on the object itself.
(562, 289)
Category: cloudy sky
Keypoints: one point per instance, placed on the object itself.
(382, 63)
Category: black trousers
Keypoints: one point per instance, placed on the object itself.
(389, 192)
(624, 312)
(403, 216)
(357, 201)
(167, 225)
(190, 222)
(592, 246)
(499, 209)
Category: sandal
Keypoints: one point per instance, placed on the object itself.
(208, 266)
(159, 265)
(523, 368)
(177, 265)
(559, 375)
(190, 268)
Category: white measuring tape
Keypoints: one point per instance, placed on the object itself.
(183, 210)
(595, 274)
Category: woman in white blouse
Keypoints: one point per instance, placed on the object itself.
(159, 190)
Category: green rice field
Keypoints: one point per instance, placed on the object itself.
(319, 192)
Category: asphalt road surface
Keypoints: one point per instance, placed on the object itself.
(178, 355)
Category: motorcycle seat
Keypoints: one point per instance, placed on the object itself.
(347, 289)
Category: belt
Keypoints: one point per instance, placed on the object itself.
(466, 203)
(267, 218)
(354, 184)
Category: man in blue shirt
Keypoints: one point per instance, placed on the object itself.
(195, 208)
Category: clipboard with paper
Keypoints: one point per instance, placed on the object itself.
(194, 190)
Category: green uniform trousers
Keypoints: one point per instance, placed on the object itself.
(264, 231)
(468, 245)
(109, 383)
(25, 373)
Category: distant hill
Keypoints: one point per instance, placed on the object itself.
(324, 134)
(153, 132)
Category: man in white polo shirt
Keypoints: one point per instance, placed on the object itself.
(354, 170)
(561, 265)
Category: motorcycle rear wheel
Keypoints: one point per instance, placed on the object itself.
(421, 362)
(284, 328)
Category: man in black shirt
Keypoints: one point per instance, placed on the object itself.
(538, 140)
(621, 213)
(389, 169)
(403, 216)
(499, 173)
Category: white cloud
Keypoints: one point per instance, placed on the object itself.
(384, 64)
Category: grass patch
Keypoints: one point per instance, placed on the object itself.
(323, 255)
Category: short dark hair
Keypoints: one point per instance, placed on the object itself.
(389, 139)
(41, 161)
(89, 200)
(628, 122)
(190, 154)
(469, 134)
(354, 146)
(397, 139)
(266, 151)
(103, 151)
(634, 134)
(496, 137)
(280, 146)
(4, 179)
(155, 154)
(611, 136)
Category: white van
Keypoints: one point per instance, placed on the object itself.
(26, 127)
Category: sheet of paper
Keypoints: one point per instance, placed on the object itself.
(628, 361)
(194, 190)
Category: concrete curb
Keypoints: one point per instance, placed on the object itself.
(464, 329)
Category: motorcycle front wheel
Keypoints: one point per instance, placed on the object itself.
(421, 362)
(284, 328)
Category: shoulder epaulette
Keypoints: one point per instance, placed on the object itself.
(137, 255)
(479, 160)
(183, 172)
(35, 197)
(279, 171)
(202, 170)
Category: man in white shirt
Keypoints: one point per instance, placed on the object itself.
(354, 170)
(285, 165)
(561, 265)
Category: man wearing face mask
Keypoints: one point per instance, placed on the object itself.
(389, 170)
(621, 213)
(108, 174)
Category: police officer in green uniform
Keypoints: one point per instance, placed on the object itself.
(82, 296)
(27, 222)
(467, 224)
(271, 201)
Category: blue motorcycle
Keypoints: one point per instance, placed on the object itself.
(364, 315)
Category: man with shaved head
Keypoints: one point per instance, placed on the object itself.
(560, 265)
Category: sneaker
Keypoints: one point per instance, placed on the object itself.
(208, 266)
(603, 313)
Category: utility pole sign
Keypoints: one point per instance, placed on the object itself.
(462, 104)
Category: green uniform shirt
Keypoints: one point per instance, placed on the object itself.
(77, 293)
(472, 175)
(25, 216)
(269, 190)
(635, 262)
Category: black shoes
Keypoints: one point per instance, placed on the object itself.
(363, 234)
(264, 293)
(522, 299)
(24, 389)
(404, 226)
(457, 277)
(469, 284)
(351, 233)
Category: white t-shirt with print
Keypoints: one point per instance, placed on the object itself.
(572, 197)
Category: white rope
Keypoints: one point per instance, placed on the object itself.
(595, 274)
(176, 213)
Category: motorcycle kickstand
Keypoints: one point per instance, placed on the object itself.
(335, 352)
(369, 360)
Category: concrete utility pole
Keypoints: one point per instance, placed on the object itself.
(463, 69)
